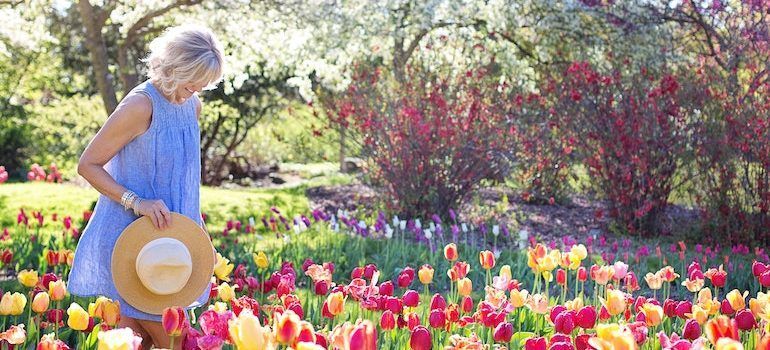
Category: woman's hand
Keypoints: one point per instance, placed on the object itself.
(157, 211)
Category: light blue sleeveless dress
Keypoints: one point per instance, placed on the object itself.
(162, 163)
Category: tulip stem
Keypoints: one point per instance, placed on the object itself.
(172, 342)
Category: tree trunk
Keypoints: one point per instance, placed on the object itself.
(343, 150)
(93, 21)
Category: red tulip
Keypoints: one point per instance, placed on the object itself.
(467, 304)
(487, 259)
(452, 313)
(437, 318)
(404, 280)
(726, 308)
(6, 256)
(321, 287)
(565, 322)
(386, 288)
(561, 277)
(503, 332)
(582, 275)
(561, 346)
(669, 308)
(586, 317)
(535, 344)
(173, 321)
(758, 268)
(745, 320)
(559, 338)
(364, 336)
(394, 305)
(437, 302)
(764, 279)
(420, 339)
(412, 321)
(719, 278)
(581, 342)
(369, 271)
(682, 308)
(387, 321)
(450, 252)
(411, 298)
(555, 311)
(357, 272)
(691, 330)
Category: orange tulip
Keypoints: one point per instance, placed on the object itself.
(487, 260)
(612, 337)
(57, 290)
(721, 327)
(615, 302)
(40, 302)
(653, 314)
(464, 287)
(336, 303)
(737, 300)
(105, 309)
(450, 252)
(173, 321)
(286, 327)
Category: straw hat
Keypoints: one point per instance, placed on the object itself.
(153, 269)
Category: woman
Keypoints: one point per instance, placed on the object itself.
(145, 161)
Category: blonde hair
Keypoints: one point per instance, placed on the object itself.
(185, 54)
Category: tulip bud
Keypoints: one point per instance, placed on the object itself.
(173, 321)
(450, 252)
(691, 330)
(387, 321)
(565, 322)
(487, 259)
(682, 308)
(758, 268)
(437, 318)
(412, 321)
(40, 302)
(386, 288)
(561, 277)
(535, 344)
(437, 302)
(420, 339)
(57, 290)
(503, 332)
(467, 304)
(464, 286)
(725, 308)
(411, 298)
(586, 317)
(745, 320)
(394, 305)
(426, 274)
(555, 311)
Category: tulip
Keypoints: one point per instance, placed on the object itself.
(745, 320)
(15, 335)
(420, 339)
(561, 277)
(683, 308)
(425, 274)
(728, 344)
(464, 286)
(387, 321)
(173, 321)
(565, 322)
(394, 305)
(48, 342)
(503, 332)
(725, 308)
(12, 304)
(286, 327)
(77, 318)
(119, 339)
(247, 333)
(555, 311)
(466, 304)
(386, 288)
(28, 278)
(721, 327)
(450, 252)
(222, 268)
(615, 302)
(437, 302)
(613, 337)
(653, 314)
(412, 320)
(57, 290)
(691, 330)
(437, 318)
(363, 336)
(321, 287)
(586, 317)
(487, 259)
(764, 279)
(225, 292)
(405, 278)
(336, 303)
(535, 344)
(654, 281)
(519, 298)
(105, 309)
(736, 299)
(40, 302)
(306, 333)
(582, 275)
(411, 298)
(260, 259)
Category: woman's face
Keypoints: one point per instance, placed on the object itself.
(186, 90)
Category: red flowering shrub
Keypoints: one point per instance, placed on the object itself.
(632, 132)
(431, 139)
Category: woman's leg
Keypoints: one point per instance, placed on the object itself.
(138, 329)
(159, 336)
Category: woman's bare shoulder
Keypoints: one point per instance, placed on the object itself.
(134, 112)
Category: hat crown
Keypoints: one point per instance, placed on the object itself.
(164, 265)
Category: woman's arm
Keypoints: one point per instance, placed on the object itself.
(130, 119)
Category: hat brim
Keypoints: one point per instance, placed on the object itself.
(142, 231)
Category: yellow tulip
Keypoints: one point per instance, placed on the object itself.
(464, 286)
(579, 251)
(425, 274)
(105, 309)
(303, 345)
(222, 268)
(519, 298)
(28, 278)
(218, 307)
(726, 343)
(119, 339)
(57, 290)
(77, 318)
(226, 292)
(737, 300)
(40, 302)
(248, 334)
(698, 314)
(574, 305)
(505, 273)
(12, 304)
(612, 337)
(615, 302)
(260, 259)
(653, 314)
(335, 302)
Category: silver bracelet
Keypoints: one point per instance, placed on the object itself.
(127, 196)
(135, 206)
